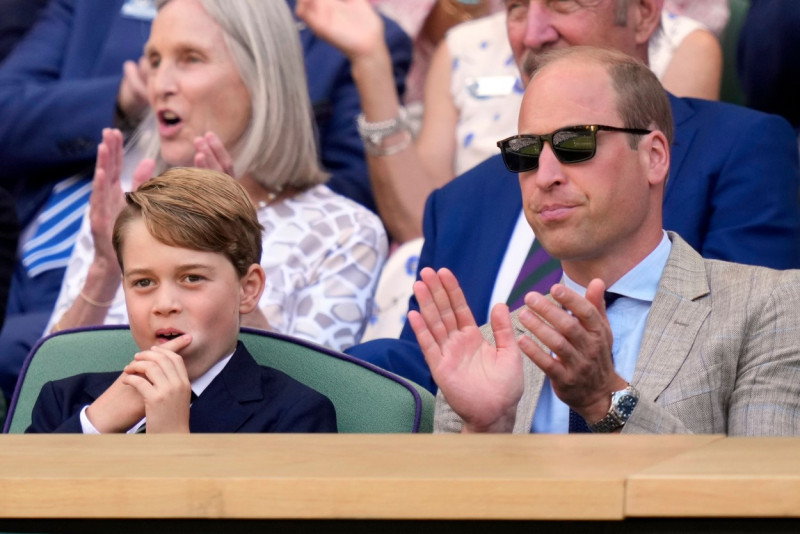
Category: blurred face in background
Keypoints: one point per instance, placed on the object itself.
(535, 26)
(193, 83)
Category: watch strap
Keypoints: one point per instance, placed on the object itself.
(622, 404)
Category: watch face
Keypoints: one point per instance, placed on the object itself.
(624, 404)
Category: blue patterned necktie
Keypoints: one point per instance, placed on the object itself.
(538, 273)
(577, 424)
(58, 226)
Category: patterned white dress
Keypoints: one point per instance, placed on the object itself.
(485, 87)
(323, 254)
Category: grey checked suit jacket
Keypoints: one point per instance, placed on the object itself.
(720, 353)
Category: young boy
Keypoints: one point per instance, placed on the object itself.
(189, 245)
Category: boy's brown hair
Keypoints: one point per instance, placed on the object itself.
(197, 209)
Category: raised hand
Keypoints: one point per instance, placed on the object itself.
(108, 199)
(582, 372)
(481, 382)
(159, 376)
(132, 96)
(212, 154)
(352, 26)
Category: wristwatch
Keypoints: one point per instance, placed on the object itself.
(622, 404)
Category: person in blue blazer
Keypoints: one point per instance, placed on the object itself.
(732, 194)
(60, 88)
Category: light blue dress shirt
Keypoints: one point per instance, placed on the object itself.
(627, 317)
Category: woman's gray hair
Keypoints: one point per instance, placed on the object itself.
(278, 148)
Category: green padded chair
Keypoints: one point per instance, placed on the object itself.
(367, 398)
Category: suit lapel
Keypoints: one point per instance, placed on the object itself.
(226, 404)
(534, 380)
(532, 376)
(676, 315)
(684, 134)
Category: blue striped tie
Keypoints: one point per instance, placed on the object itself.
(58, 226)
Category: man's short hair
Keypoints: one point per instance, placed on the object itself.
(197, 209)
(642, 101)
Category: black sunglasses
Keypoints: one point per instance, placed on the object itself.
(572, 144)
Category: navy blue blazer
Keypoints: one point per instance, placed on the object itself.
(244, 397)
(732, 194)
(767, 60)
(18, 17)
(58, 90)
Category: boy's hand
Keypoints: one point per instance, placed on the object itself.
(159, 376)
(117, 409)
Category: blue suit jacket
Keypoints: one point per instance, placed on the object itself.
(18, 17)
(732, 194)
(244, 397)
(58, 90)
(767, 60)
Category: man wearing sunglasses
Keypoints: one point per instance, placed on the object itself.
(642, 335)
(731, 194)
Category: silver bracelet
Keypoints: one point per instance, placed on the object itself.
(373, 133)
(380, 150)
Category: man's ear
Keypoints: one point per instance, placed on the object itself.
(657, 155)
(252, 285)
(646, 19)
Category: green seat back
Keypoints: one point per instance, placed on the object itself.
(367, 399)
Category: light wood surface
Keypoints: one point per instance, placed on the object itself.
(326, 476)
(734, 477)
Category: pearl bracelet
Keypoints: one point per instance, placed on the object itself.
(373, 133)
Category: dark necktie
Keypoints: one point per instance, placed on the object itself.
(577, 424)
(610, 298)
(538, 273)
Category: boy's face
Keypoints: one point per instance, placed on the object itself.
(171, 291)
